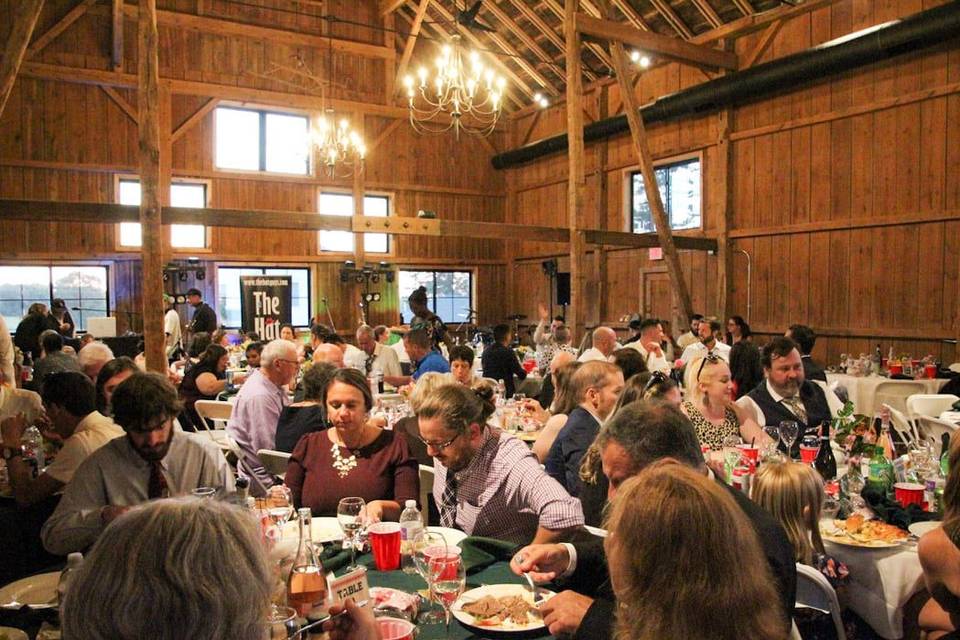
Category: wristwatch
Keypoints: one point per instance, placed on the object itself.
(11, 452)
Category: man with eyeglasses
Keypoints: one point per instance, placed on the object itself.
(253, 423)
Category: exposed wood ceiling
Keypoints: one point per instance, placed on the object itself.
(528, 37)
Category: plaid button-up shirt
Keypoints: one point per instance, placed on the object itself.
(503, 493)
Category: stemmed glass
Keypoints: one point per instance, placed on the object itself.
(279, 507)
(281, 623)
(350, 517)
(449, 578)
(425, 544)
(770, 450)
(788, 434)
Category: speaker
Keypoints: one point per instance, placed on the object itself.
(563, 289)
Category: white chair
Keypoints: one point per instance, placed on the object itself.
(935, 428)
(274, 461)
(794, 632)
(426, 487)
(217, 413)
(955, 367)
(929, 404)
(903, 426)
(896, 392)
(815, 592)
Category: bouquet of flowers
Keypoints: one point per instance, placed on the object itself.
(851, 431)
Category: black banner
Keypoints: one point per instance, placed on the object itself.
(265, 304)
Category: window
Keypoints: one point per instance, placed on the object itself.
(449, 293)
(679, 184)
(182, 194)
(251, 140)
(341, 204)
(228, 293)
(79, 286)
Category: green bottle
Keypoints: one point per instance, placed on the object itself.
(881, 471)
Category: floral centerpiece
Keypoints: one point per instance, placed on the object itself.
(852, 431)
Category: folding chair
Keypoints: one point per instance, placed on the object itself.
(426, 488)
(903, 426)
(934, 428)
(895, 393)
(217, 412)
(815, 592)
(275, 462)
(929, 404)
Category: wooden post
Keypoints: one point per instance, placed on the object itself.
(359, 187)
(603, 201)
(576, 181)
(148, 101)
(639, 135)
(24, 21)
(724, 182)
(116, 49)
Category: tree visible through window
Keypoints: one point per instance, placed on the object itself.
(680, 189)
(84, 287)
(449, 293)
(341, 204)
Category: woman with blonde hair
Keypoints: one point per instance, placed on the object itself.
(707, 579)
(710, 405)
(188, 568)
(564, 402)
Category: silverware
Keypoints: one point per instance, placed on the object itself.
(316, 623)
(532, 587)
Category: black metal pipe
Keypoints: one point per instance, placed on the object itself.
(919, 31)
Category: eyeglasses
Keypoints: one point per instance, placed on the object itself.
(658, 377)
(439, 446)
(287, 361)
(712, 358)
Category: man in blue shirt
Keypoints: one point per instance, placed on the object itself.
(420, 349)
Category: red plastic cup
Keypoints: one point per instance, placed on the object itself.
(930, 371)
(529, 365)
(896, 369)
(395, 629)
(385, 542)
(808, 454)
(908, 493)
(750, 452)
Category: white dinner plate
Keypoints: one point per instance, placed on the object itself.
(920, 528)
(497, 591)
(325, 529)
(451, 536)
(38, 592)
(9, 633)
(837, 535)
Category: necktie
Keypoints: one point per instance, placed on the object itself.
(448, 502)
(796, 408)
(157, 487)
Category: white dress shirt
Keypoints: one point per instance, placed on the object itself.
(699, 350)
(746, 402)
(654, 362)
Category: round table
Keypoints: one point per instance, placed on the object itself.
(861, 390)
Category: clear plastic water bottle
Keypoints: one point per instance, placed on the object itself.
(74, 560)
(33, 449)
(411, 524)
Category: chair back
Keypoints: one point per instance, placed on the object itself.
(895, 393)
(212, 410)
(929, 404)
(426, 488)
(903, 426)
(815, 592)
(935, 428)
(955, 367)
(275, 462)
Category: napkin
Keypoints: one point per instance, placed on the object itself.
(334, 557)
(891, 512)
(478, 553)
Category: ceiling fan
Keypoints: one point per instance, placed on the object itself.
(468, 18)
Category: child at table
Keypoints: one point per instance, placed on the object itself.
(792, 493)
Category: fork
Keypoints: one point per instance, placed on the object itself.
(532, 587)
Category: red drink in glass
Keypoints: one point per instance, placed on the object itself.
(808, 454)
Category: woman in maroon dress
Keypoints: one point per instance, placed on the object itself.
(353, 457)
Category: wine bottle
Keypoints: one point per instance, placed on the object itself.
(944, 454)
(825, 463)
(306, 584)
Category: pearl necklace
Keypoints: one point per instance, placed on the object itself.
(342, 465)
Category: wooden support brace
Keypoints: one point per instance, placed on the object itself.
(763, 44)
(24, 21)
(194, 118)
(61, 25)
(118, 99)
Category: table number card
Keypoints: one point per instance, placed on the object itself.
(351, 585)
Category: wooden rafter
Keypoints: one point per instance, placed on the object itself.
(389, 6)
(60, 26)
(524, 37)
(24, 22)
(665, 10)
(757, 21)
(745, 7)
(550, 34)
(194, 118)
(595, 48)
(631, 14)
(762, 45)
(119, 100)
(116, 32)
(707, 11)
(411, 41)
(664, 46)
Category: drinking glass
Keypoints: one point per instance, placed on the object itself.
(350, 517)
(731, 454)
(448, 577)
(423, 541)
(281, 623)
(205, 493)
(770, 452)
(788, 434)
(279, 504)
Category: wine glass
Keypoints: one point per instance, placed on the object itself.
(281, 622)
(788, 434)
(770, 450)
(279, 503)
(428, 543)
(731, 454)
(448, 577)
(350, 516)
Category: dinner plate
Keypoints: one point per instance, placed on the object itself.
(451, 536)
(920, 528)
(497, 591)
(323, 529)
(38, 592)
(838, 536)
(9, 633)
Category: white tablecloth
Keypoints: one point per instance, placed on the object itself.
(881, 583)
(861, 390)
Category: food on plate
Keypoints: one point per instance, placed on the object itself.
(490, 611)
(859, 529)
(394, 600)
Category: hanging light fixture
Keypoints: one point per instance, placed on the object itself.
(459, 93)
(340, 149)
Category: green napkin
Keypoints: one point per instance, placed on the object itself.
(479, 552)
(891, 512)
(334, 557)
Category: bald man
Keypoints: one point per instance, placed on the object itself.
(327, 352)
(604, 344)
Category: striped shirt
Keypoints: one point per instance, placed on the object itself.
(503, 493)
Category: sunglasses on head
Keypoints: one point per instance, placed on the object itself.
(712, 358)
(658, 377)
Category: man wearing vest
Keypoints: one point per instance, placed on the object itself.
(787, 395)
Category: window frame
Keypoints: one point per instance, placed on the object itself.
(207, 247)
(627, 181)
(264, 266)
(51, 265)
(389, 196)
(263, 110)
(432, 296)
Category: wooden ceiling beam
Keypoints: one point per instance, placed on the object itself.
(60, 26)
(631, 14)
(410, 43)
(664, 46)
(668, 14)
(757, 21)
(745, 7)
(24, 21)
(544, 29)
(389, 6)
(523, 36)
(707, 11)
(594, 47)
